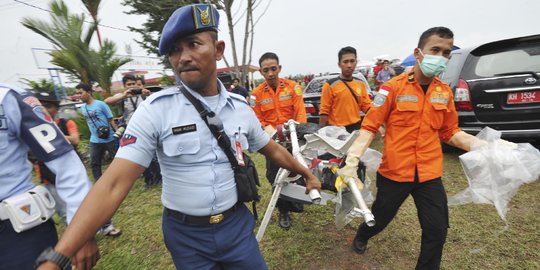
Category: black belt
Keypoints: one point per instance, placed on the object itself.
(213, 219)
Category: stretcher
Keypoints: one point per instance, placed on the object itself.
(290, 186)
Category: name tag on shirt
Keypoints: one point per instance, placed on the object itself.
(184, 129)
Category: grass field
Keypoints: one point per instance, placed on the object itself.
(477, 239)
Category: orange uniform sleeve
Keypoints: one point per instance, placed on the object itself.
(72, 128)
(450, 122)
(381, 107)
(326, 100)
(365, 103)
(299, 108)
(256, 106)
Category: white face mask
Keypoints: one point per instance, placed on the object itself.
(432, 65)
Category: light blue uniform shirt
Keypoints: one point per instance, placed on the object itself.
(197, 176)
(24, 124)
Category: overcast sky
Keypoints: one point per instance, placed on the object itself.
(306, 34)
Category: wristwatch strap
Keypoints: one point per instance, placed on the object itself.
(51, 255)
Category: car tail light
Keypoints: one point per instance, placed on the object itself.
(309, 108)
(462, 97)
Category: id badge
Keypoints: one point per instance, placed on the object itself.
(238, 147)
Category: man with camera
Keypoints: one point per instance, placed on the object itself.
(127, 102)
(99, 119)
(130, 99)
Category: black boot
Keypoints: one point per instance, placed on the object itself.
(284, 220)
(359, 246)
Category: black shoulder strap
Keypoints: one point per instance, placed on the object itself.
(346, 84)
(223, 141)
(62, 124)
(88, 113)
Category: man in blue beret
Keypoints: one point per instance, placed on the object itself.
(204, 225)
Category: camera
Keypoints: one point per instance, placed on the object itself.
(103, 132)
(136, 91)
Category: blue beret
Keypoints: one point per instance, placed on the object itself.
(188, 20)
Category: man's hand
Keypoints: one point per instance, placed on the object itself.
(350, 170)
(146, 92)
(312, 182)
(127, 93)
(48, 266)
(87, 256)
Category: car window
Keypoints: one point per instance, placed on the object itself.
(451, 74)
(521, 59)
(315, 86)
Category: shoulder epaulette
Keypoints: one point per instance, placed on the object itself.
(238, 97)
(165, 92)
(332, 81)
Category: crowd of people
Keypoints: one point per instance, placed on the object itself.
(166, 139)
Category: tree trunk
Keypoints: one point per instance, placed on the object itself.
(247, 35)
(228, 6)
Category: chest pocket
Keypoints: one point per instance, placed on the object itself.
(243, 140)
(183, 144)
(437, 118)
(406, 114)
(286, 100)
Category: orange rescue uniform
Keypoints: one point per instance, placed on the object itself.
(415, 123)
(277, 107)
(338, 102)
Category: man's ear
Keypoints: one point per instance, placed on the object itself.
(279, 68)
(220, 49)
(417, 54)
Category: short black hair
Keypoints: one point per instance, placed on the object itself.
(440, 31)
(140, 79)
(84, 86)
(268, 55)
(236, 80)
(346, 50)
(129, 77)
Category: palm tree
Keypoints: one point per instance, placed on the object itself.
(93, 6)
(71, 40)
(41, 85)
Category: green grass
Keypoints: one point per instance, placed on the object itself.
(477, 238)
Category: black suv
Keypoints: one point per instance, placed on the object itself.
(313, 92)
(497, 84)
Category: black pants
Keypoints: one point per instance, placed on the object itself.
(352, 127)
(431, 204)
(20, 250)
(282, 205)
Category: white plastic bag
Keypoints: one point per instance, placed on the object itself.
(496, 170)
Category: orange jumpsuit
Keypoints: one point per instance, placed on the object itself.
(415, 124)
(340, 105)
(277, 107)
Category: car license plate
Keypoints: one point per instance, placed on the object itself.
(523, 97)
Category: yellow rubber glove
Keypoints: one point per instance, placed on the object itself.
(350, 171)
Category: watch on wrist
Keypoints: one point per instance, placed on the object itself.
(58, 258)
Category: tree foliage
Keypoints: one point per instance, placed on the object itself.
(158, 13)
(41, 85)
(160, 10)
(72, 52)
(93, 8)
